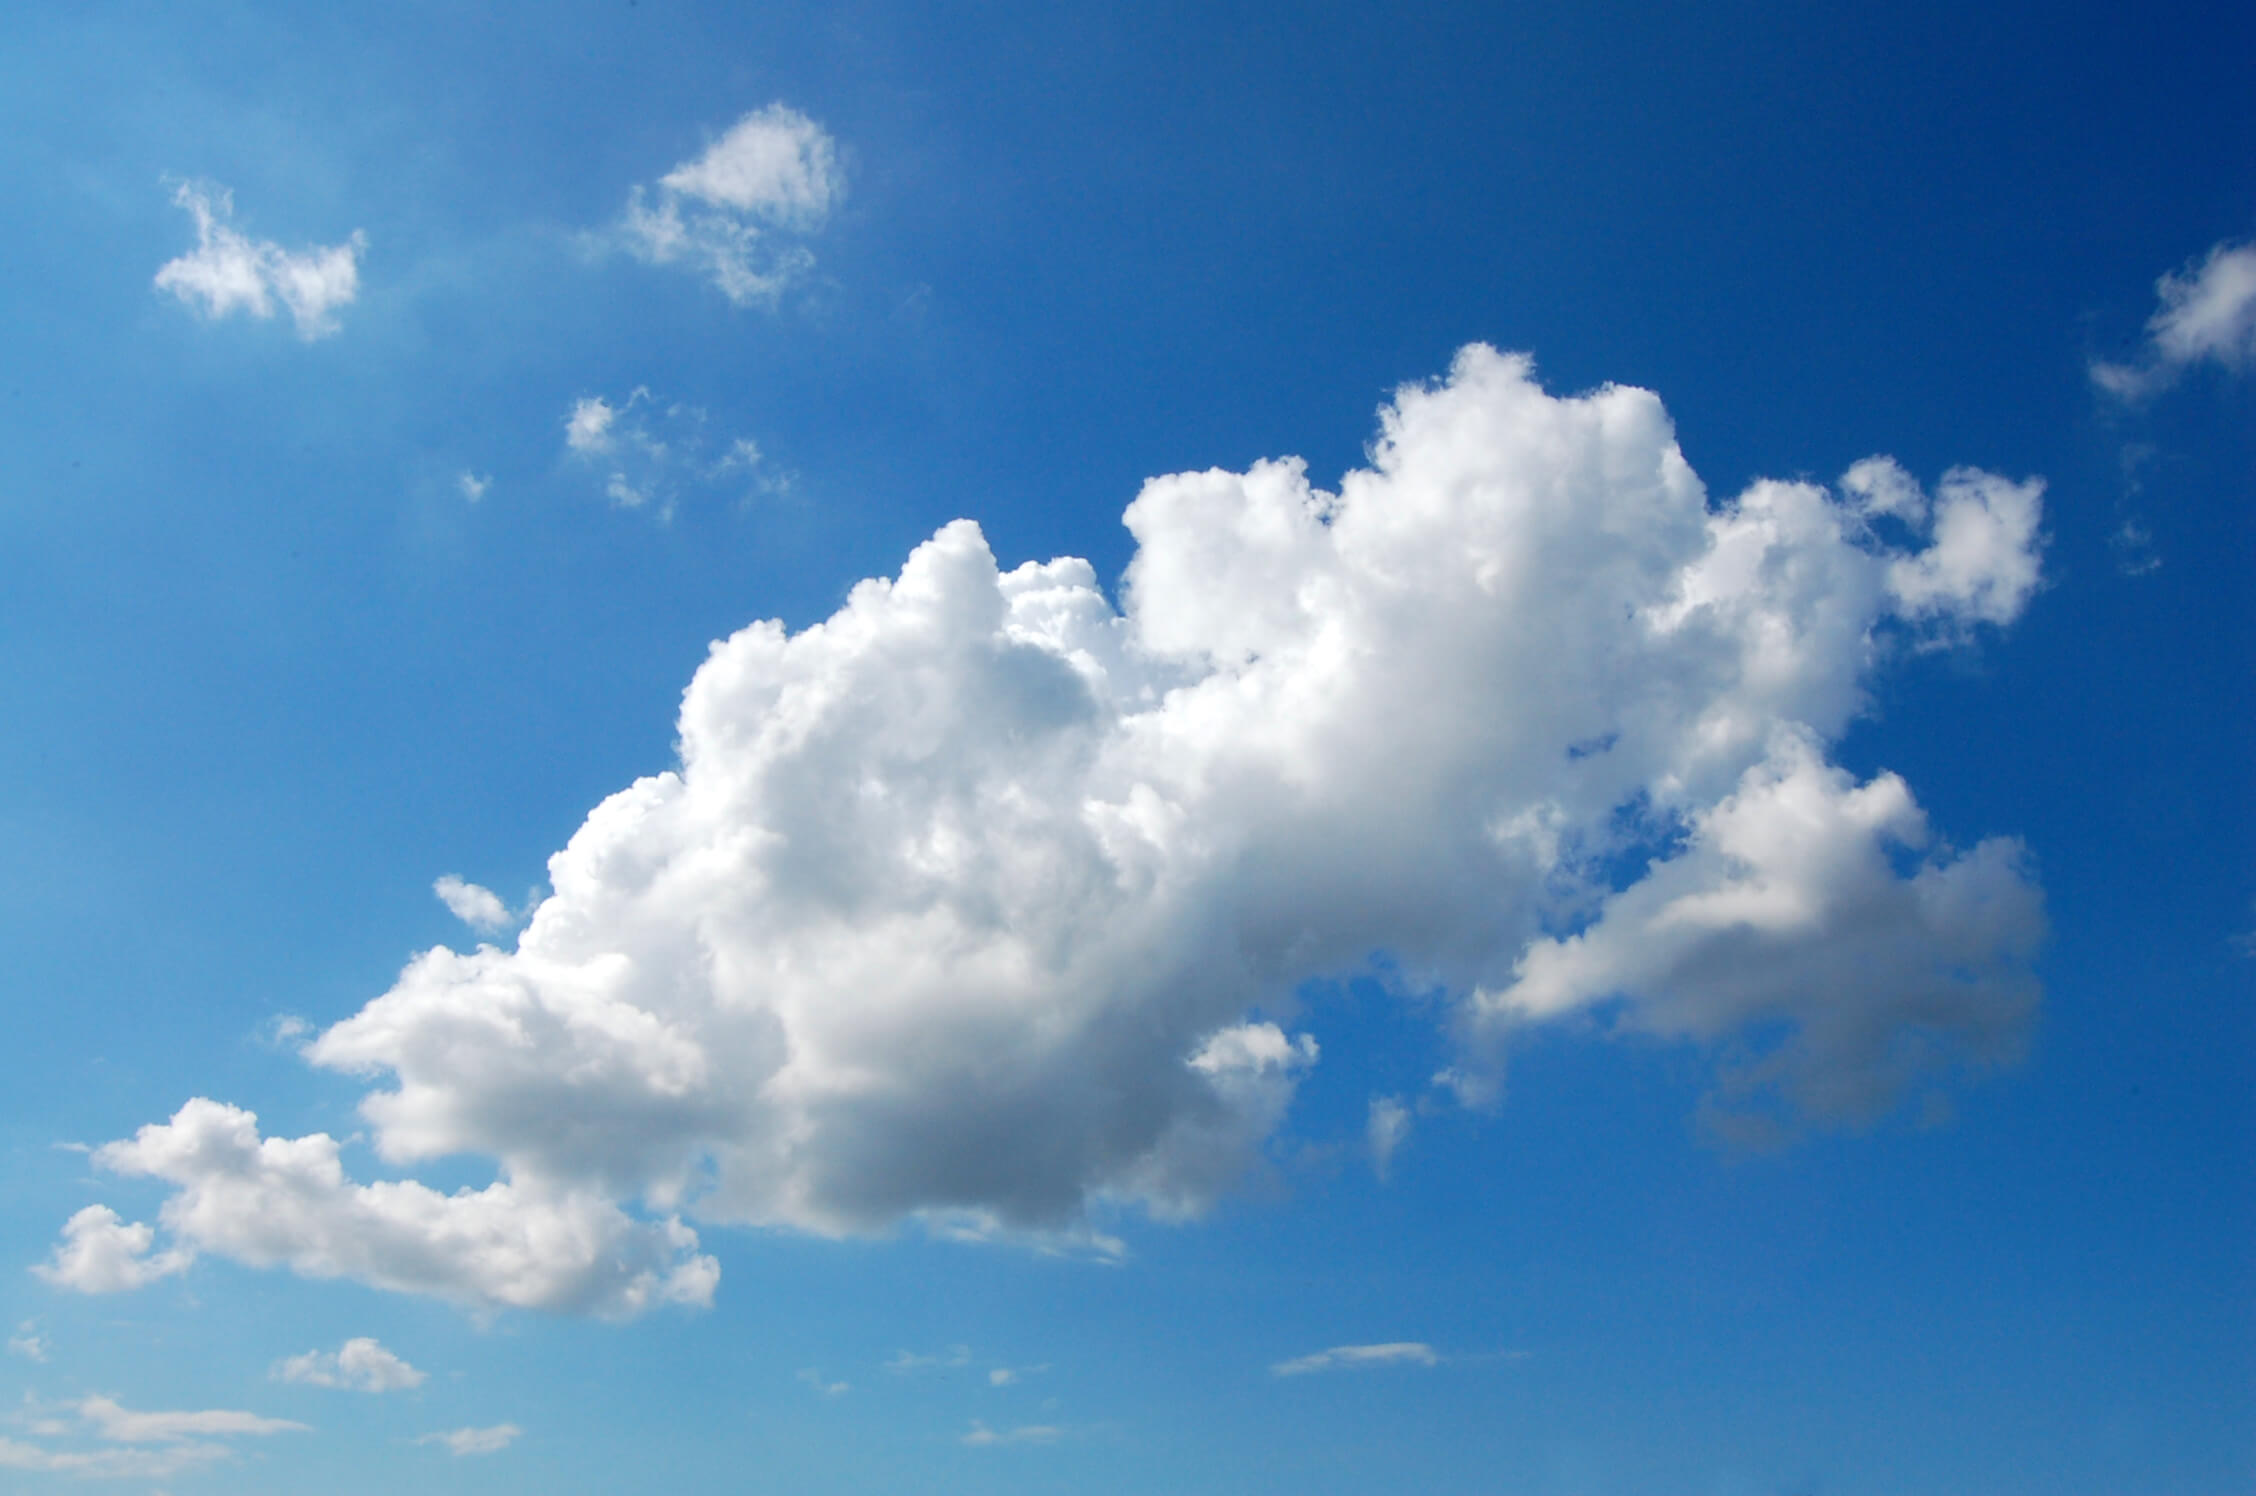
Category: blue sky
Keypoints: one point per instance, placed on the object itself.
(1631, 875)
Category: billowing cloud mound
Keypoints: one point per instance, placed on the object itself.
(982, 900)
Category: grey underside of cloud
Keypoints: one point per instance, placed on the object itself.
(983, 900)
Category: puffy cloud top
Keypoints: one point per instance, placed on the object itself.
(361, 1364)
(984, 900)
(775, 163)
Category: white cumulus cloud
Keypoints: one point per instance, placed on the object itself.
(1350, 1357)
(479, 908)
(361, 1364)
(1786, 903)
(285, 1202)
(2208, 314)
(736, 213)
(985, 901)
(465, 1441)
(228, 271)
(100, 1253)
(27, 1342)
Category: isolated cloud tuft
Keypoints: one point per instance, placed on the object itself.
(359, 1365)
(730, 214)
(479, 908)
(1352, 1357)
(229, 272)
(100, 1253)
(985, 901)
(981, 1436)
(647, 451)
(468, 1441)
(2208, 313)
(1385, 1130)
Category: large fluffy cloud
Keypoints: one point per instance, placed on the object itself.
(984, 900)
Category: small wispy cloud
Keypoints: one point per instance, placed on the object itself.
(361, 1364)
(827, 1388)
(228, 271)
(469, 1441)
(27, 1342)
(2207, 315)
(122, 1425)
(1390, 1353)
(2133, 545)
(647, 450)
(129, 1463)
(981, 1436)
(1360, 1357)
(1386, 1130)
(901, 1363)
(473, 486)
(736, 214)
